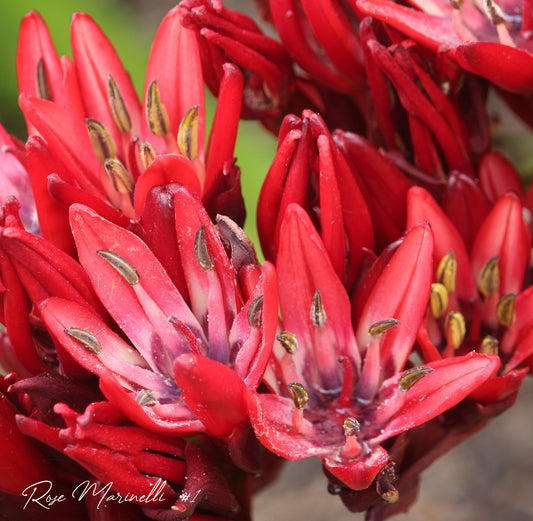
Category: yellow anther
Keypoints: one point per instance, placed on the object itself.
(255, 311)
(505, 309)
(447, 271)
(488, 281)
(438, 299)
(86, 338)
(156, 113)
(146, 398)
(101, 140)
(120, 113)
(300, 395)
(128, 272)
(412, 376)
(490, 345)
(351, 426)
(147, 154)
(381, 327)
(188, 134)
(202, 251)
(318, 314)
(120, 177)
(455, 328)
(288, 341)
(43, 91)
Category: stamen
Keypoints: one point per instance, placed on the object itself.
(288, 341)
(489, 278)
(385, 484)
(490, 345)
(146, 398)
(351, 426)
(120, 177)
(318, 314)
(147, 154)
(86, 338)
(447, 271)
(455, 328)
(351, 448)
(156, 113)
(381, 327)
(505, 309)
(300, 395)
(101, 140)
(438, 299)
(120, 113)
(255, 311)
(457, 4)
(412, 376)
(188, 134)
(43, 91)
(125, 269)
(494, 12)
(201, 250)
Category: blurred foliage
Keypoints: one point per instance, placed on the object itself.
(131, 37)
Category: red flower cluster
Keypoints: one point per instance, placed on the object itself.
(153, 368)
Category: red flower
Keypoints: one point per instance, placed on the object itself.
(92, 141)
(338, 394)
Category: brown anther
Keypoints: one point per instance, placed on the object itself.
(494, 12)
(447, 271)
(43, 91)
(188, 134)
(488, 281)
(381, 327)
(101, 140)
(120, 177)
(455, 328)
(255, 312)
(351, 426)
(457, 4)
(288, 341)
(202, 251)
(438, 299)
(146, 398)
(125, 269)
(412, 376)
(318, 314)
(385, 484)
(86, 338)
(300, 395)
(490, 345)
(147, 153)
(156, 113)
(505, 309)
(120, 113)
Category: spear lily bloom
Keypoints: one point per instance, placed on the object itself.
(118, 149)
(341, 394)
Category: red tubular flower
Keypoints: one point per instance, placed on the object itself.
(110, 159)
(310, 170)
(491, 40)
(228, 36)
(338, 398)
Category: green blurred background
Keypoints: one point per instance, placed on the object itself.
(130, 25)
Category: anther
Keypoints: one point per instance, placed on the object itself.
(156, 113)
(202, 251)
(447, 271)
(86, 338)
(381, 327)
(147, 153)
(385, 484)
(489, 278)
(120, 113)
(120, 177)
(254, 312)
(318, 314)
(299, 394)
(101, 140)
(351, 426)
(455, 328)
(146, 398)
(438, 299)
(412, 376)
(43, 91)
(494, 12)
(128, 272)
(505, 309)
(457, 4)
(188, 134)
(288, 341)
(490, 345)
